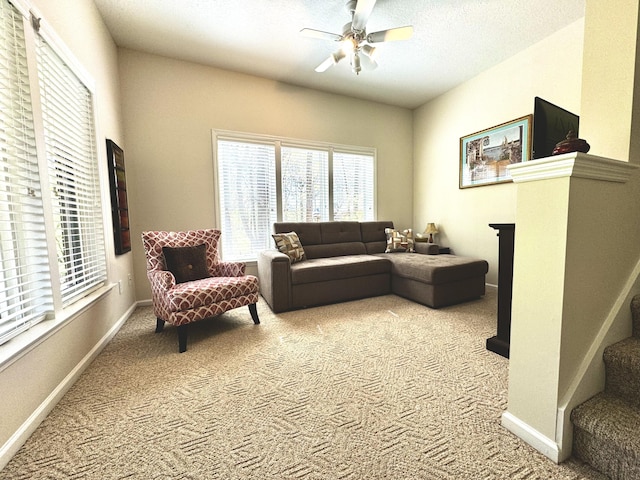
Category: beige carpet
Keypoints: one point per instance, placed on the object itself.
(381, 388)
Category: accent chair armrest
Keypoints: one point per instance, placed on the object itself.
(161, 280)
(230, 269)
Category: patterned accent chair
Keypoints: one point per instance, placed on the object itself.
(224, 286)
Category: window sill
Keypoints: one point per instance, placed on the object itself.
(22, 344)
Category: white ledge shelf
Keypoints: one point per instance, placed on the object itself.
(574, 164)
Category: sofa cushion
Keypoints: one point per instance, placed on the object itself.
(340, 232)
(308, 232)
(335, 249)
(333, 268)
(374, 236)
(435, 269)
(289, 244)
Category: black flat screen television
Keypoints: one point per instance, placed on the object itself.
(551, 124)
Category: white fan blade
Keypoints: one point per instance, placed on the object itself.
(362, 13)
(325, 65)
(400, 33)
(311, 33)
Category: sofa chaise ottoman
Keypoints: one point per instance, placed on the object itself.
(347, 261)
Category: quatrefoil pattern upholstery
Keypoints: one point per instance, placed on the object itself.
(182, 303)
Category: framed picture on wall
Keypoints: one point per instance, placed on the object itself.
(119, 203)
(485, 155)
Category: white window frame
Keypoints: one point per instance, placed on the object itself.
(280, 142)
(62, 313)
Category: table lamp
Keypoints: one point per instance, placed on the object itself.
(430, 230)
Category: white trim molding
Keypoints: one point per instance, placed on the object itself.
(574, 164)
(537, 440)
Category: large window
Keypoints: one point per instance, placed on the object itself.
(261, 180)
(51, 230)
(70, 146)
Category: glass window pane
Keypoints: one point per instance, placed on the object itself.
(247, 195)
(305, 185)
(353, 187)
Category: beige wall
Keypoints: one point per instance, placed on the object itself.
(550, 69)
(609, 59)
(170, 107)
(41, 371)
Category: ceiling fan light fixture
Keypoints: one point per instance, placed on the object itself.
(354, 39)
(355, 63)
(337, 56)
(348, 45)
(369, 51)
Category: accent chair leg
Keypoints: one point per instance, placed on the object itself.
(182, 338)
(159, 325)
(254, 313)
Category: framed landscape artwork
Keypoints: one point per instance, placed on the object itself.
(485, 155)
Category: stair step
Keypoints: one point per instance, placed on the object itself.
(635, 314)
(622, 362)
(606, 436)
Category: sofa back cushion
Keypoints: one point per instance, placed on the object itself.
(340, 232)
(374, 236)
(308, 232)
(332, 239)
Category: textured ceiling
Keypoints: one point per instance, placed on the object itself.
(453, 40)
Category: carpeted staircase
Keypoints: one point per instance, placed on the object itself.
(607, 427)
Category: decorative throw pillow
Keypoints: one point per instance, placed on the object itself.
(186, 263)
(399, 241)
(289, 244)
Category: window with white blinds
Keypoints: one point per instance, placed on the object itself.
(305, 185)
(262, 179)
(353, 187)
(247, 196)
(25, 282)
(67, 111)
(48, 168)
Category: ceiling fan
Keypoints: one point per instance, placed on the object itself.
(354, 39)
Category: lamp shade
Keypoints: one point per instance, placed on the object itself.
(431, 228)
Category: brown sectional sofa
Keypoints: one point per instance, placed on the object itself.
(346, 261)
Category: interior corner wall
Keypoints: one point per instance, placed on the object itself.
(611, 61)
(30, 382)
(171, 106)
(551, 69)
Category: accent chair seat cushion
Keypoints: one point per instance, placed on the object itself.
(188, 295)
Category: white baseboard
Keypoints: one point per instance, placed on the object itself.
(549, 448)
(20, 436)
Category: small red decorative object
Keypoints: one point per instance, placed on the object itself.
(571, 144)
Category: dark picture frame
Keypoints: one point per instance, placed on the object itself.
(119, 202)
(484, 155)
